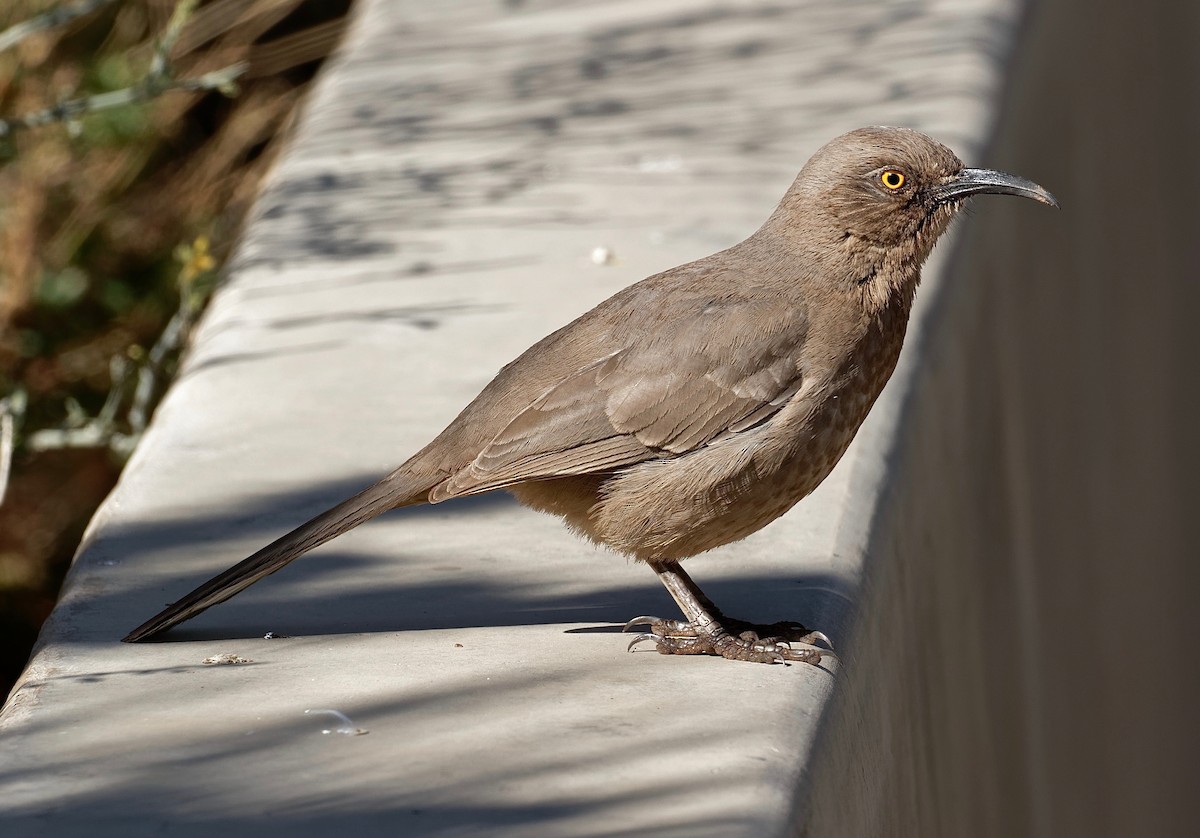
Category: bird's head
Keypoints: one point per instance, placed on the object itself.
(886, 194)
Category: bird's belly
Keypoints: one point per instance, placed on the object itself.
(675, 508)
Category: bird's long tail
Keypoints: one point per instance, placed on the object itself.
(397, 489)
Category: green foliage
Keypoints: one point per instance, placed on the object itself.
(60, 289)
(114, 71)
(116, 296)
(117, 127)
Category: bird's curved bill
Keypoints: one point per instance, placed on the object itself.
(978, 181)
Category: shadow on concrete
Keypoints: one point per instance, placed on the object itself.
(421, 317)
(289, 602)
(418, 268)
(316, 796)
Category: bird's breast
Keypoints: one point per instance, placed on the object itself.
(833, 415)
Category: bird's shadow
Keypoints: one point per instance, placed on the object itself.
(471, 589)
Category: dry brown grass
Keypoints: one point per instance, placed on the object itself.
(89, 221)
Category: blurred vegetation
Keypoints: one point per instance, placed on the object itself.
(113, 227)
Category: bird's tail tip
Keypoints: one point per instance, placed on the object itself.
(148, 629)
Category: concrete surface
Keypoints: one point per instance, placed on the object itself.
(437, 213)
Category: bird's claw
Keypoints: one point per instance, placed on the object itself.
(824, 638)
(641, 638)
(641, 621)
(675, 627)
(676, 637)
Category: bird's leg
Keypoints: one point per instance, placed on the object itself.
(707, 631)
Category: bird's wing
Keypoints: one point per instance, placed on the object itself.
(723, 368)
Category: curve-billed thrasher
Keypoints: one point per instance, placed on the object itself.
(698, 405)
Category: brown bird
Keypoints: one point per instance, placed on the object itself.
(700, 404)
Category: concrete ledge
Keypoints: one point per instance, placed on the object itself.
(435, 215)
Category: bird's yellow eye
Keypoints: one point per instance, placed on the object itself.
(892, 179)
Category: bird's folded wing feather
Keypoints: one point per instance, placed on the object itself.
(726, 368)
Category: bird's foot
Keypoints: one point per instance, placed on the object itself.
(734, 639)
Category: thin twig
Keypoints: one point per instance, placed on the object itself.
(223, 80)
(16, 33)
(158, 80)
(160, 64)
(7, 430)
(12, 410)
(118, 376)
(101, 430)
(92, 435)
(150, 373)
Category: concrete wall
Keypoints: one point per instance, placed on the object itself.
(1025, 659)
